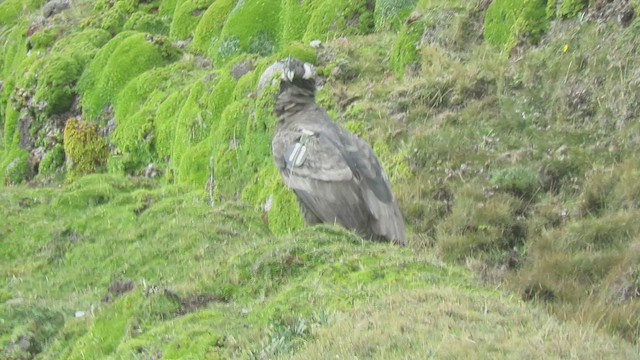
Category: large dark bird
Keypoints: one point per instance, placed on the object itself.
(335, 174)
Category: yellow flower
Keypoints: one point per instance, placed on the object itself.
(565, 48)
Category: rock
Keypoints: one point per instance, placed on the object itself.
(54, 7)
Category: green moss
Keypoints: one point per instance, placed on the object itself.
(136, 109)
(116, 64)
(11, 11)
(341, 18)
(45, 37)
(186, 17)
(269, 195)
(207, 33)
(251, 27)
(165, 123)
(15, 167)
(508, 21)
(52, 161)
(391, 13)
(195, 167)
(11, 135)
(85, 150)
(143, 22)
(110, 327)
(111, 15)
(54, 76)
(192, 122)
(299, 50)
(295, 17)
(28, 321)
(228, 138)
(167, 8)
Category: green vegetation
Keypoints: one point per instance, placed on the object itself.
(123, 268)
(84, 149)
(508, 130)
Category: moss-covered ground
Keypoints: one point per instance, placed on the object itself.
(114, 267)
(143, 216)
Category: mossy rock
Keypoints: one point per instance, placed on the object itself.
(85, 150)
(207, 33)
(123, 58)
(340, 18)
(507, 22)
(186, 17)
(252, 28)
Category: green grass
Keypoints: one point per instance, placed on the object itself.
(517, 161)
(158, 270)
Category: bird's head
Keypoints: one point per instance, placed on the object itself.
(297, 81)
(295, 71)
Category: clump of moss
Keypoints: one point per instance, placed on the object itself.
(294, 18)
(136, 109)
(186, 16)
(250, 28)
(111, 15)
(141, 21)
(195, 168)
(300, 50)
(207, 33)
(16, 167)
(12, 11)
(123, 58)
(508, 22)
(86, 151)
(337, 17)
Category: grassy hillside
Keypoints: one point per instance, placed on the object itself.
(119, 268)
(135, 172)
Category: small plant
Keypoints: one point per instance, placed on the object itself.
(518, 180)
(85, 149)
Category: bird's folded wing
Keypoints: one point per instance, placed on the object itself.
(310, 155)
